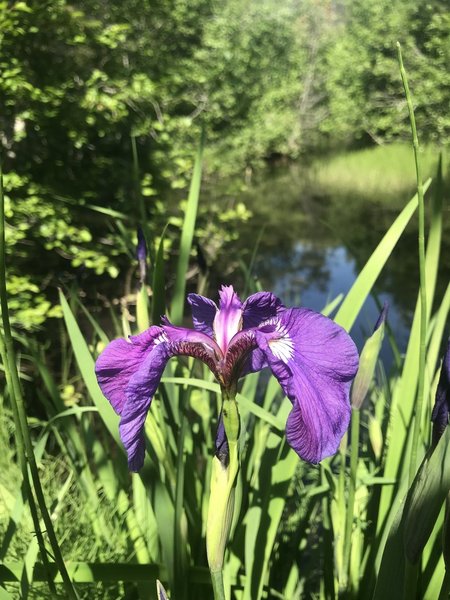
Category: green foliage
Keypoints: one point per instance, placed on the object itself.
(80, 79)
(364, 90)
(343, 525)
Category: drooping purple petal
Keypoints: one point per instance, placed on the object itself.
(203, 313)
(258, 308)
(228, 319)
(441, 409)
(314, 361)
(140, 391)
(119, 361)
(129, 372)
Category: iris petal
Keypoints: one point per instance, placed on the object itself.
(129, 373)
(228, 319)
(314, 361)
(119, 361)
(203, 313)
(140, 391)
(258, 308)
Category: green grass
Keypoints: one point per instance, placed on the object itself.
(386, 172)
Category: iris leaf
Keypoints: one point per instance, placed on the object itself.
(187, 235)
(86, 365)
(426, 497)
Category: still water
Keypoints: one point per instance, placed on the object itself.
(311, 247)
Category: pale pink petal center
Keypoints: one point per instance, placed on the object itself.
(228, 319)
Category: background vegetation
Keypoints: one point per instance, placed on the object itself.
(102, 105)
(85, 85)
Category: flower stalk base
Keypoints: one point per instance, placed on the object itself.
(221, 501)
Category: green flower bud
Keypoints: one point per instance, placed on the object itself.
(220, 514)
(375, 437)
(368, 362)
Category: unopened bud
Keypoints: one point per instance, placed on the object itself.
(141, 255)
(162, 594)
(220, 514)
(368, 361)
(375, 437)
(441, 408)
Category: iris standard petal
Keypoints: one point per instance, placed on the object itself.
(258, 308)
(228, 319)
(315, 361)
(119, 361)
(203, 313)
(140, 391)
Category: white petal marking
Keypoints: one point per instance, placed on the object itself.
(282, 347)
(162, 337)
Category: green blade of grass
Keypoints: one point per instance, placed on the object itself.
(276, 472)
(187, 235)
(404, 392)
(86, 365)
(159, 283)
(23, 437)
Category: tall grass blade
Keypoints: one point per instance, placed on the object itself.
(159, 283)
(422, 274)
(404, 392)
(25, 445)
(86, 365)
(187, 235)
(244, 403)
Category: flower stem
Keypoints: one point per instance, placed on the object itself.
(423, 294)
(354, 455)
(411, 574)
(221, 501)
(217, 583)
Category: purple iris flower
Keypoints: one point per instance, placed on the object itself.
(441, 410)
(313, 359)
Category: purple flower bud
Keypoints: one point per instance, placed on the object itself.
(383, 316)
(222, 449)
(141, 255)
(441, 408)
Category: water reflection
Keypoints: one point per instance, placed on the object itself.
(312, 247)
(318, 275)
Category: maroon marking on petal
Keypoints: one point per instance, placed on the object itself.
(237, 354)
(199, 351)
